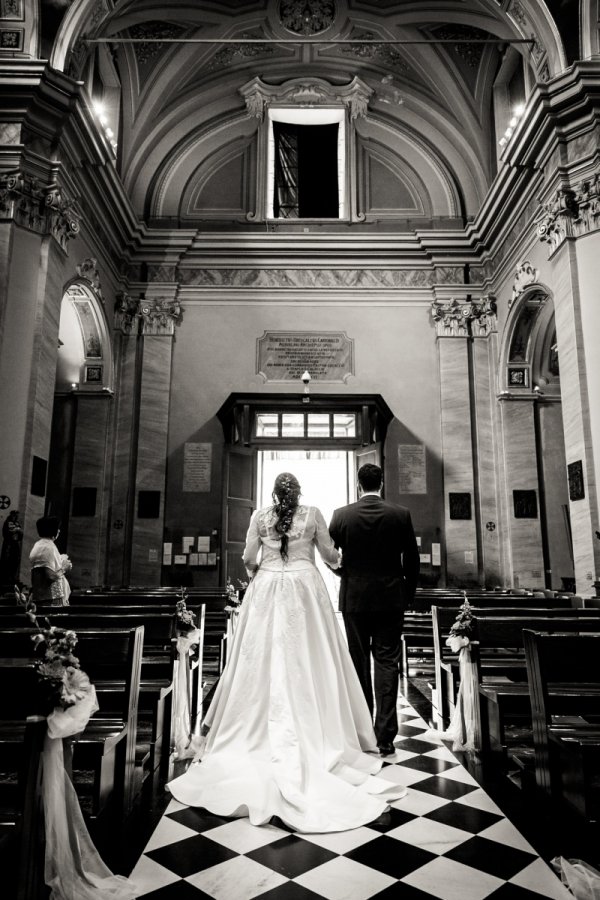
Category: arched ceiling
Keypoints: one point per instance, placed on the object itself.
(431, 106)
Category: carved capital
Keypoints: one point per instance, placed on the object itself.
(555, 221)
(466, 318)
(40, 208)
(127, 313)
(306, 93)
(160, 316)
(587, 198)
(525, 274)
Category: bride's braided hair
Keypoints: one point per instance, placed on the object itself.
(286, 493)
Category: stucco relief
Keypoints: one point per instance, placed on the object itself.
(322, 278)
(307, 93)
(525, 275)
(88, 270)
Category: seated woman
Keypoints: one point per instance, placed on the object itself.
(48, 566)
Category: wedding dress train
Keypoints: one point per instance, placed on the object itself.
(290, 732)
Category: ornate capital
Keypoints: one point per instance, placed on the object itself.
(525, 274)
(466, 318)
(555, 221)
(40, 208)
(88, 270)
(587, 199)
(160, 316)
(127, 313)
(306, 93)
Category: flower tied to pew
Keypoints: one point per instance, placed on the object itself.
(73, 866)
(59, 671)
(185, 743)
(185, 619)
(460, 631)
(234, 600)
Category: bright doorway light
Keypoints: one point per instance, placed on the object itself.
(327, 479)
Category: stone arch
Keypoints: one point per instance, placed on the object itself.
(524, 340)
(84, 359)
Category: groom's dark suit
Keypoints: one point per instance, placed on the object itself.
(380, 567)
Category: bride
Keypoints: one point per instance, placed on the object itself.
(289, 731)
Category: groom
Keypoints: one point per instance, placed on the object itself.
(380, 567)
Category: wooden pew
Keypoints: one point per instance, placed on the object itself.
(564, 683)
(112, 659)
(446, 662)
(503, 686)
(22, 822)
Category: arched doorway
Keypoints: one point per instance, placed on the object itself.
(537, 488)
(80, 423)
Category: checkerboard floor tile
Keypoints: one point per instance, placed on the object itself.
(446, 839)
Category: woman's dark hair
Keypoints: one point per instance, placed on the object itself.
(286, 493)
(47, 526)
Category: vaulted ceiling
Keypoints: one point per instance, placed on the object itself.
(177, 86)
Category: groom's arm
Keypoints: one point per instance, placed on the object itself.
(334, 531)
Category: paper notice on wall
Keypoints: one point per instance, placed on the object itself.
(167, 548)
(194, 559)
(180, 559)
(469, 557)
(197, 467)
(188, 543)
(418, 540)
(425, 557)
(436, 555)
(412, 474)
(204, 544)
(203, 559)
(211, 559)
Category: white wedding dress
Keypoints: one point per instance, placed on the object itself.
(289, 725)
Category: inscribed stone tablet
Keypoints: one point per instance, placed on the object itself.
(412, 474)
(285, 355)
(197, 466)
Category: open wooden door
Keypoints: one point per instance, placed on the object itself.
(372, 453)
(239, 503)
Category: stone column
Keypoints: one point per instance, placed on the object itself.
(462, 556)
(571, 232)
(145, 385)
(36, 224)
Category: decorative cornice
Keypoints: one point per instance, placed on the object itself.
(38, 207)
(306, 93)
(465, 318)
(525, 274)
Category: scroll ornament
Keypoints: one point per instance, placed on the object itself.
(44, 209)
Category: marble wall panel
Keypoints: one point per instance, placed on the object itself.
(152, 457)
(87, 537)
(457, 454)
(484, 399)
(124, 430)
(571, 290)
(521, 474)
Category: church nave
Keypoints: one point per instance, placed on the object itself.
(447, 839)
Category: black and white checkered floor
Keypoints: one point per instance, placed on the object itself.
(445, 839)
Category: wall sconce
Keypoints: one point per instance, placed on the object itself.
(306, 382)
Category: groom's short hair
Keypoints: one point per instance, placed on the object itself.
(370, 477)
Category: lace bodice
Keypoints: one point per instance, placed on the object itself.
(308, 531)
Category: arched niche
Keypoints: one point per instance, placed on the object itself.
(529, 355)
(84, 358)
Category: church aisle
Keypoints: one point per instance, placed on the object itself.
(446, 839)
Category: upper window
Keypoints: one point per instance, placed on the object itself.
(306, 164)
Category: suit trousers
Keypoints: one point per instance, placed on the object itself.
(377, 633)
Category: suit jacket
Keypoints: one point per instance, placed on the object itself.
(380, 557)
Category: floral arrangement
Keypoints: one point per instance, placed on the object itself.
(58, 669)
(185, 618)
(462, 627)
(234, 601)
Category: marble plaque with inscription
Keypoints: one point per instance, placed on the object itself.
(285, 355)
(412, 472)
(197, 466)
